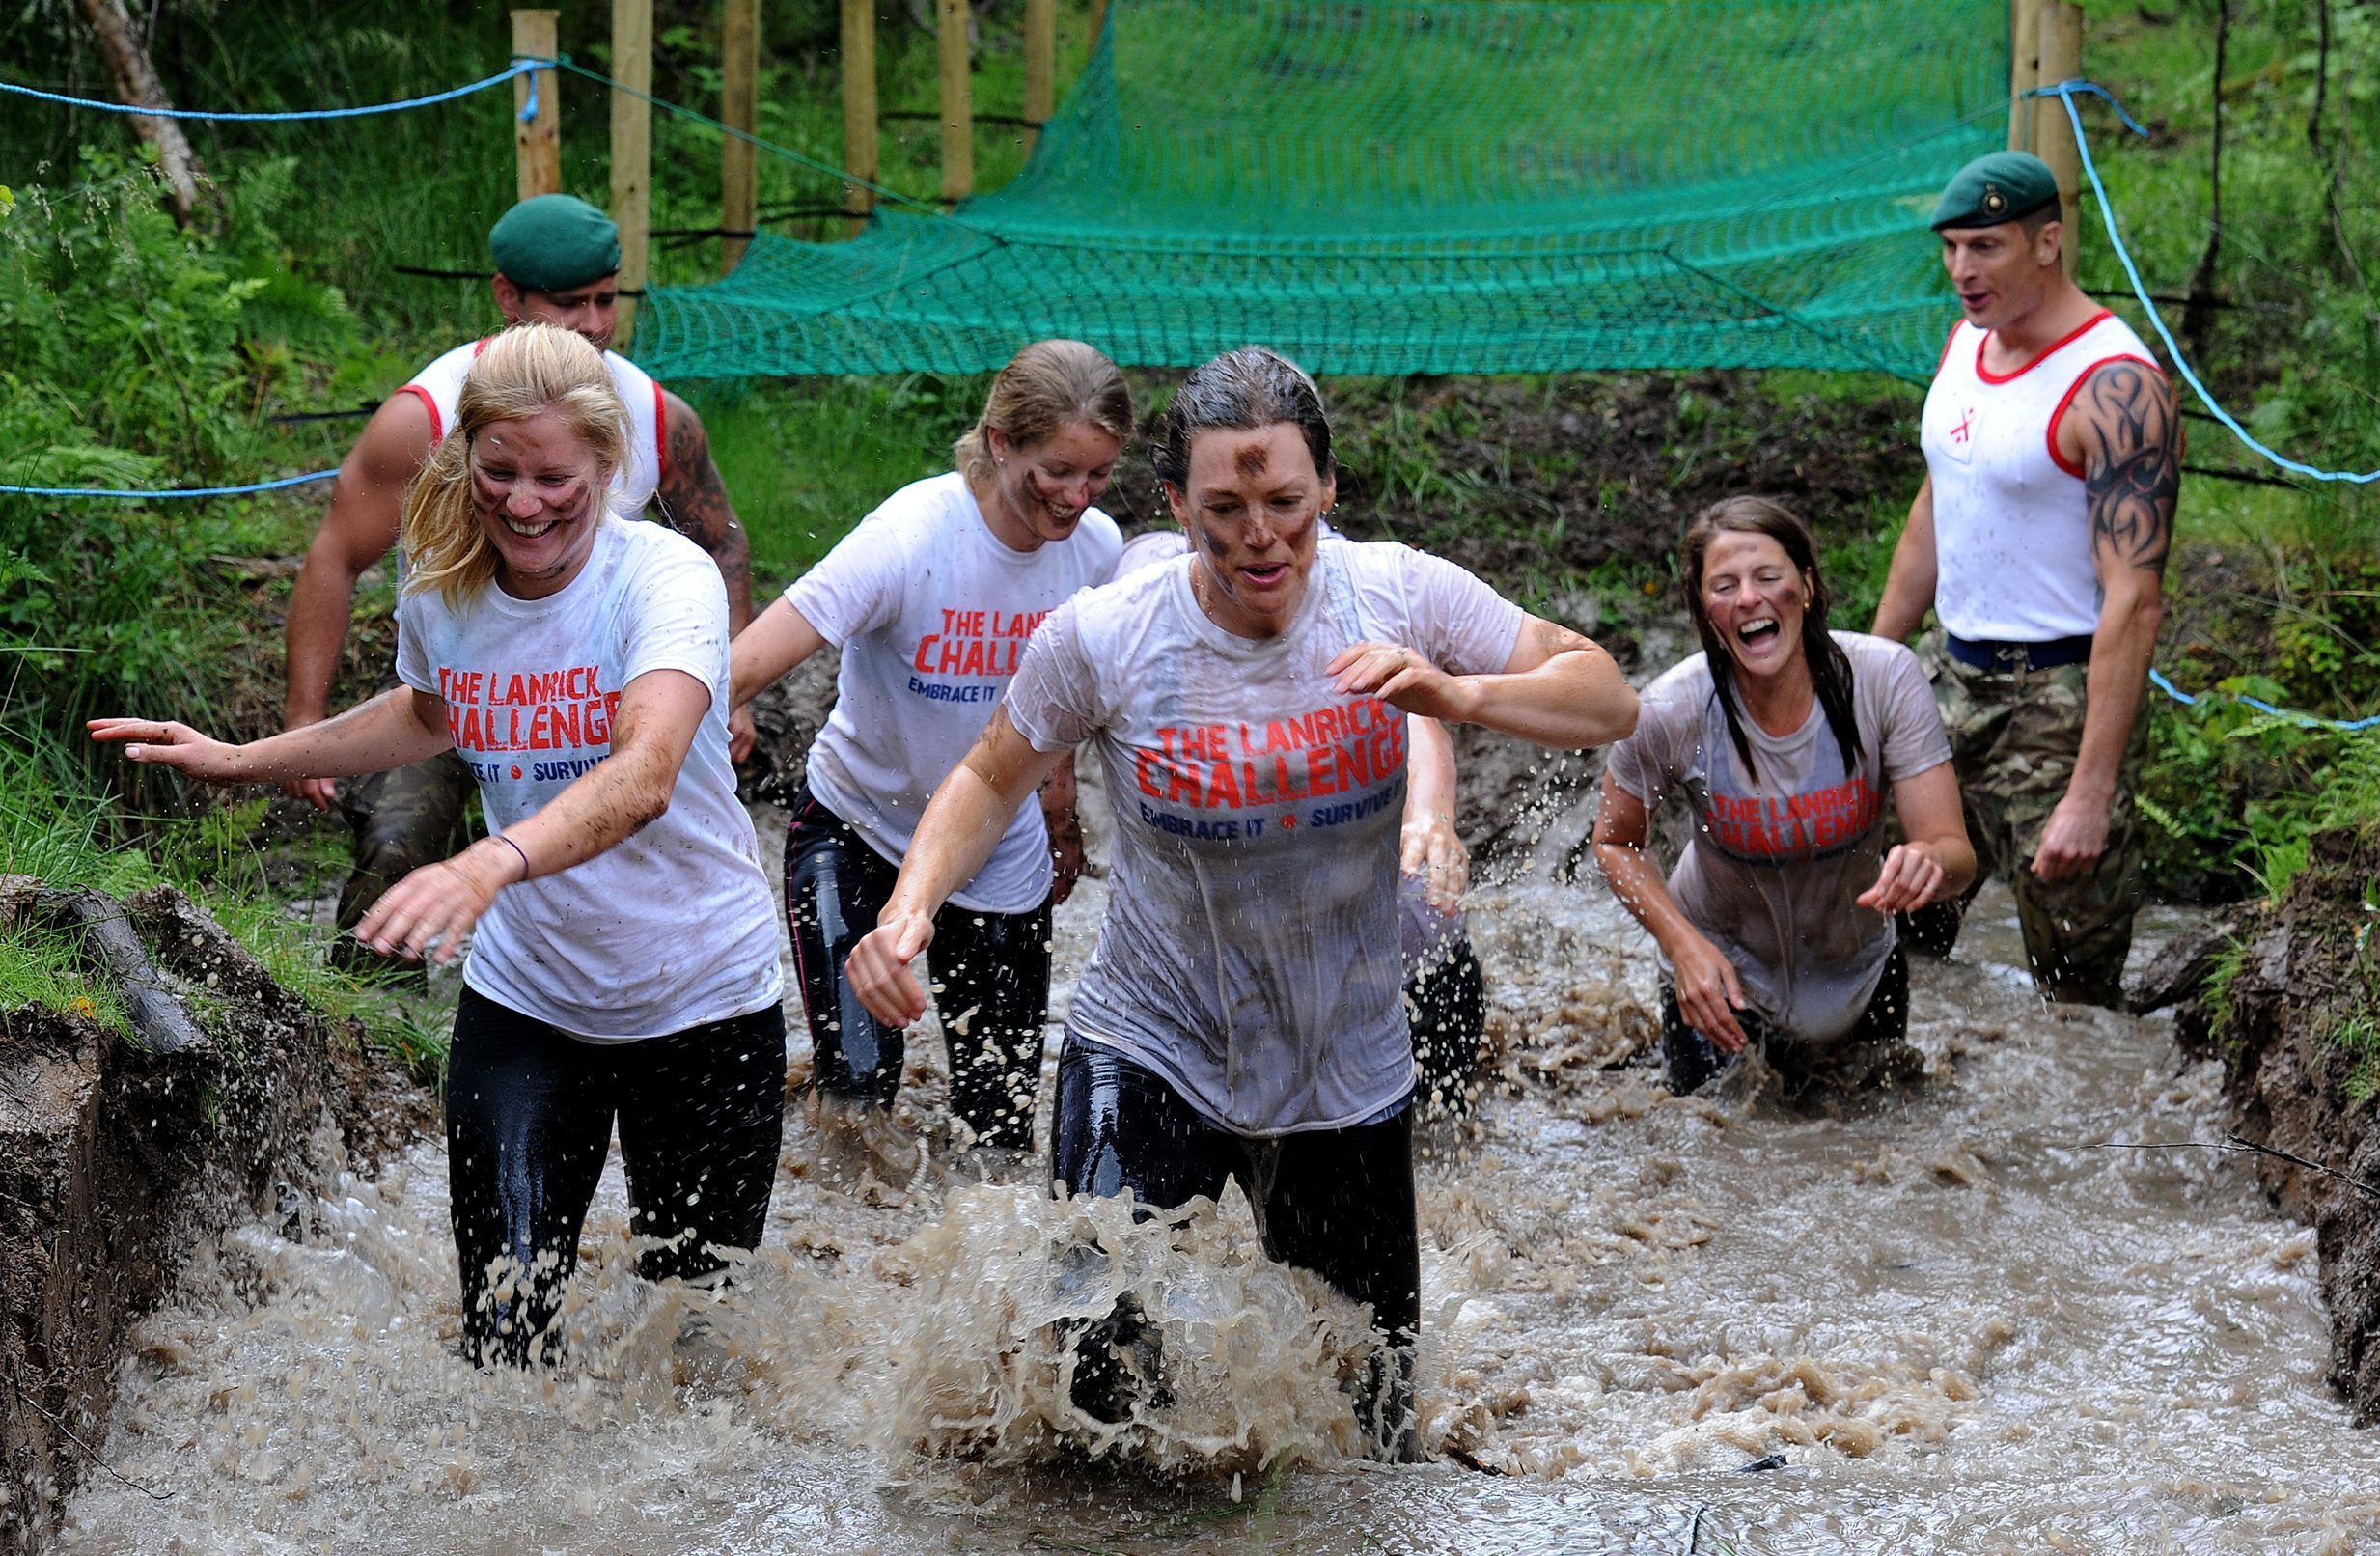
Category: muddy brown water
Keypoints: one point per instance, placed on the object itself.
(1961, 1327)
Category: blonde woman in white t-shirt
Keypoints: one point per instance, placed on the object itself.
(932, 599)
(623, 950)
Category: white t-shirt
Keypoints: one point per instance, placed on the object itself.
(673, 926)
(1774, 869)
(1249, 953)
(932, 612)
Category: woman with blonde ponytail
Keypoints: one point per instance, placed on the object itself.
(622, 958)
(932, 599)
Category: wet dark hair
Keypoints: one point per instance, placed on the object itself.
(1830, 668)
(1241, 391)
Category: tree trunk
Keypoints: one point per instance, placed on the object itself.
(136, 86)
(2199, 312)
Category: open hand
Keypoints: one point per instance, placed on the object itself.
(1431, 851)
(1708, 993)
(878, 968)
(431, 909)
(177, 746)
(1911, 878)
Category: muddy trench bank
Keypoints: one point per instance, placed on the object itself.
(117, 1158)
(2289, 1004)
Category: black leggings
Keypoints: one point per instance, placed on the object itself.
(1689, 1059)
(1337, 1202)
(529, 1115)
(992, 969)
(1446, 1002)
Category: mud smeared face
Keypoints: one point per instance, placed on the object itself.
(538, 493)
(1041, 489)
(1755, 597)
(1251, 512)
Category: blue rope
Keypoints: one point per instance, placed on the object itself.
(2065, 93)
(2304, 721)
(179, 492)
(521, 66)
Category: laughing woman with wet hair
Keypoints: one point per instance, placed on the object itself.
(622, 945)
(1240, 1016)
(1782, 738)
(932, 599)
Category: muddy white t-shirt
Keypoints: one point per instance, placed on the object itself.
(1776, 865)
(932, 612)
(1249, 953)
(671, 928)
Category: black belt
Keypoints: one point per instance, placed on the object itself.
(2009, 658)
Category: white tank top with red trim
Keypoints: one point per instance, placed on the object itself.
(2012, 526)
(440, 385)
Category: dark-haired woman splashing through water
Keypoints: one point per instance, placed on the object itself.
(1240, 1016)
(1782, 738)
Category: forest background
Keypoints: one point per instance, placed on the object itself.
(135, 353)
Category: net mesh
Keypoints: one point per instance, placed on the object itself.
(1405, 186)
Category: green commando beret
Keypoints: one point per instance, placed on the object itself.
(553, 243)
(1999, 187)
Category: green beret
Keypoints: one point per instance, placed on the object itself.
(553, 243)
(2000, 186)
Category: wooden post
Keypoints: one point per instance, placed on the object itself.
(2024, 70)
(537, 142)
(631, 154)
(859, 109)
(739, 167)
(957, 104)
(1040, 65)
(2053, 134)
(1099, 20)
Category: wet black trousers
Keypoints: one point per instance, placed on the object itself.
(1689, 1059)
(529, 1113)
(1337, 1202)
(992, 970)
(1446, 1004)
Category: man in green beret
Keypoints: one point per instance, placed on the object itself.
(556, 262)
(2039, 539)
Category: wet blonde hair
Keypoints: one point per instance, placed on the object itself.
(526, 370)
(1045, 386)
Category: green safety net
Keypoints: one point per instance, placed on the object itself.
(1403, 186)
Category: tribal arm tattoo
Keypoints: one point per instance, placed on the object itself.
(693, 501)
(2131, 464)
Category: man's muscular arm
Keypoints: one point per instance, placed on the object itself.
(2122, 429)
(1909, 586)
(693, 501)
(366, 507)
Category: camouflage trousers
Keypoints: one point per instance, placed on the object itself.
(2014, 735)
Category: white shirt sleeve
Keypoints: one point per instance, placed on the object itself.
(856, 588)
(413, 666)
(1465, 627)
(1055, 702)
(1914, 741)
(677, 616)
(1647, 762)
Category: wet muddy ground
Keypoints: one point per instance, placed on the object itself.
(1959, 1325)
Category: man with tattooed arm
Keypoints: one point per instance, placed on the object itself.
(2053, 459)
(557, 261)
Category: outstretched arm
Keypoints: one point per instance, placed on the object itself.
(777, 640)
(367, 507)
(1708, 992)
(399, 726)
(961, 825)
(1558, 689)
(693, 501)
(2128, 441)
